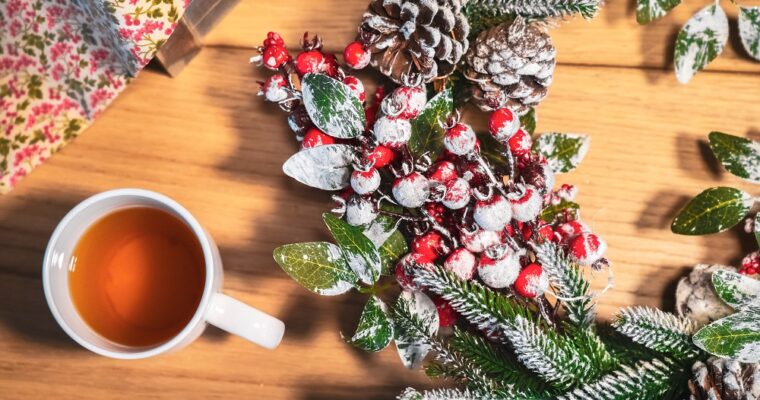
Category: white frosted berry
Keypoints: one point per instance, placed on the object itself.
(587, 248)
(274, 89)
(460, 139)
(411, 191)
(480, 240)
(526, 203)
(462, 263)
(503, 123)
(493, 214)
(405, 102)
(570, 229)
(499, 273)
(392, 132)
(532, 281)
(457, 194)
(365, 182)
(360, 211)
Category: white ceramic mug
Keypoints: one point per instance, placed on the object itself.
(215, 307)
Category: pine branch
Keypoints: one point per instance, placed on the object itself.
(646, 380)
(446, 394)
(657, 330)
(589, 342)
(483, 14)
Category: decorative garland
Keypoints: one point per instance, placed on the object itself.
(491, 261)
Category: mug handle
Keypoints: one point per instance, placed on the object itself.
(245, 321)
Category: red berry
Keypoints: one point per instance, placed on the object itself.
(405, 102)
(587, 248)
(499, 273)
(520, 143)
(571, 229)
(546, 232)
(314, 137)
(751, 263)
(273, 89)
(381, 156)
(365, 182)
(492, 214)
(274, 39)
(462, 263)
(429, 246)
(460, 139)
(405, 269)
(356, 86)
(436, 211)
(330, 66)
(526, 203)
(532, 281)
(472, 172)
(275, 56)
(392, 132)
(503, 123)
(442, 172)
(356, 56)
(447, 316)
(310, 62)
(481, 240)
(457, 194)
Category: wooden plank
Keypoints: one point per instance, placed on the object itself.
(613, 38)
(204, 139)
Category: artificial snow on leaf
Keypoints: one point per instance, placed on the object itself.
(375, 329)
(563, 151)
(323, 167)
(749, 30)
(757, 228)
(528, 121)
(736, 290)
(700, 41)
(412, 349)
(317, 266)
(493, 151)
(429, 128)
(359, 252)
(391, 244)
(650, 10)
(736, 336)
(332, 106)
(740, 156)
(552, 211)
(712, 211)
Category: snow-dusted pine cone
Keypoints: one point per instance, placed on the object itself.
(510, 65)
(696, 298)
(415, 41)
(720, 379)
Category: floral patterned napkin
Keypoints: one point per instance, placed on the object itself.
(62, 62)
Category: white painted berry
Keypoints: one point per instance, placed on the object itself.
(493, 214)
(360, 211)
(365, 182)
(460, 139)
(499, 273)
(481, 240)
(587, 248)
(411, 191)
(392, 132)
(457, 194)
(462, 263)
(526, 203)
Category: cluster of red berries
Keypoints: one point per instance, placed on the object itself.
(751, 264)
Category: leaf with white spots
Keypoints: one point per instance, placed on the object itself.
(332, 106)
(429, 128)
(563, 151)
(317, 266)
(749, 30)
(360, 253)
(323, 167)
(411, 347)
(740, 156)
(712, 211)
(757, 228)
(375, 329)
(736, 336)
(528, 121)
(738, 291)
(650, 10)
(700, 41)
(391, 243)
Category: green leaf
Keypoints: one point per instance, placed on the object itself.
(650, 10)
(714, 210)
(332, 106)
(323, 167)
(749, 30)
(429, 126)
(317, 266)
(550, 213)
(740, 156)
(757, 228)
(375, 329)
(564, 151)
(528, 121)
(700, 41)
(413, 344)
(493, 151)
(738, 291)
(391, 243)
(736, 336)
(359, 252)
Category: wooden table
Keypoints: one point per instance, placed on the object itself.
(204, 139)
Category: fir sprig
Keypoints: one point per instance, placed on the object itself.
(657, 330)
(483, 14)
(446, 394)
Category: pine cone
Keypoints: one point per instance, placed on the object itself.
(415, 41)
(721, 379)
(510, 65)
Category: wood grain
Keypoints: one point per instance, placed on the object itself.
(204, 139)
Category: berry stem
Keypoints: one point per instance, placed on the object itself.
(487, 168)
(442, 230)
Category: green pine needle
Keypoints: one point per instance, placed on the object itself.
(483, 14)
(657, 330)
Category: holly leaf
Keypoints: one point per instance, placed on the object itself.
(391, 244)
(740, 156)
(412, 348)
(528, 121)
(714, 210)
(736, 336)
(429, 126)
(332, 106)
(563, 151)
(323, 167)
(700, 41)
(317, 266)
(375, 329)
(749, 30)
(757, 228)
(493, 151)
(550, 213)
(650, 10)
(359, 252)
(738, 291)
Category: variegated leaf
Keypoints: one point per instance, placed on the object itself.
(323, 167)
(375, 330)
(410, 349)
(749, 30)
(738, 291)
(318, 266)
(650, 10)
(736, 336)
(700, 41)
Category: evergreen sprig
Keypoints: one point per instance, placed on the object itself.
(446, 394)
(657, 330)
(483, 14)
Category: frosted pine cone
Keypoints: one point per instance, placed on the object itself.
(510, 65)
(722, 379)
(415, 41)
(695, 297)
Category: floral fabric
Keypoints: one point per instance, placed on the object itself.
(62, 62)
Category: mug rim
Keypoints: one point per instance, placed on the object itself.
(186, 217)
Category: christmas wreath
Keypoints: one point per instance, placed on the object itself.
(491, 261)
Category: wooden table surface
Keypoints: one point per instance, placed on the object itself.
(204, 139)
